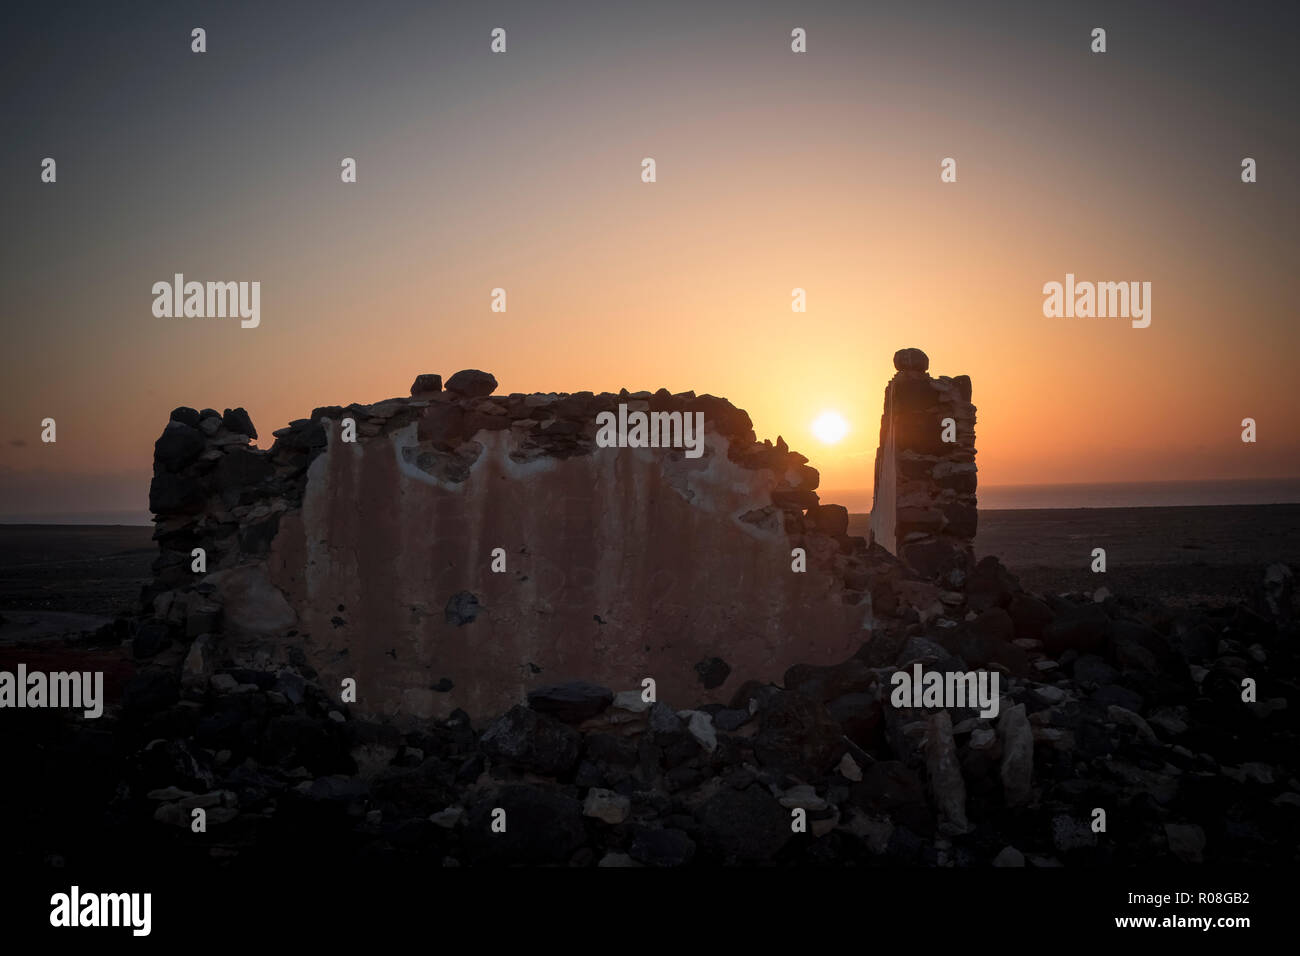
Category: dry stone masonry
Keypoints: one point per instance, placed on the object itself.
(286, 573)
(450, 548)
(924, 509)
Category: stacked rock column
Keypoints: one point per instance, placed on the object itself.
(924, 509)
(217, 503)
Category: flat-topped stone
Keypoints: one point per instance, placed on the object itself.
(426, 384)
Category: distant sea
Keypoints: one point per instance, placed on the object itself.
(1122, 494)
(81, 517)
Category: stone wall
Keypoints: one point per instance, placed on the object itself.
(374, 559)
(924, 508)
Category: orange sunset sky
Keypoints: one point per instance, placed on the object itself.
(775, 171)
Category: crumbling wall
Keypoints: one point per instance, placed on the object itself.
(924, 508)
(377, 559)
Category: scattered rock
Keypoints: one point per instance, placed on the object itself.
(631, 701)
(448, 818)
(1009, 856)
(533, 741)
(663, 720)
(1070, 833)
(1017, 756)
(1186, 841)
(606, 805)
(946, 783)
(571, 702)
(223, 684)
(796, 733)
(541, 826)
(745, 826)
(662, 847)
(700, 726)
(849, 768)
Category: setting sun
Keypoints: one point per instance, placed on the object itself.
(830, 427)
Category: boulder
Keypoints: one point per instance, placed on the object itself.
(935, 558)
(472, 383)
(426, 384)
(911, 360)
(1029, 615)
(532, 741)
(606, 806)
(1017, 756)
(186, 416)
(541, 827)
(237, 421)
(824, 683)
(178, 446)
(830, 519)
(797, 734)
(662, 847)
(860, 715)
(947, 787)
(987, 640)
(571, 702)
(990, 585)
(1085, 628)
(744, 826)
(1186, 841)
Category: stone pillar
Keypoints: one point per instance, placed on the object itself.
(924, 508)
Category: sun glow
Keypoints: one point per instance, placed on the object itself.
(830, 427)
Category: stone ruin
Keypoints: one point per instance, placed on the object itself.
(373, 559)
(377, 558)
(924, 504)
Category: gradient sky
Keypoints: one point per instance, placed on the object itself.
(775, 170)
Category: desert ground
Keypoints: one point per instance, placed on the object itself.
(64, 578)
(66, 586)
(1181, 556)
(270, 746)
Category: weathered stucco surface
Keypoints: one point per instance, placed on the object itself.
(621, 564)
(362, 545)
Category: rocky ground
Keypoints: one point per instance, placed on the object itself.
(1123, 705)
(1182, 556)
(78, 569)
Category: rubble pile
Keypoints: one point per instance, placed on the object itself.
(1109, 705)
(1121, 731)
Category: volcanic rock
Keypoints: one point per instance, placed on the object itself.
(471, 383)
(572, 702)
